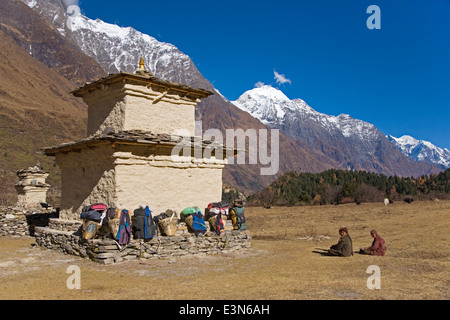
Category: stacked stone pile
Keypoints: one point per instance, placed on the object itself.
(65, 236)
(19, 222)
(107, 251)
(65, 225)
(13, 222)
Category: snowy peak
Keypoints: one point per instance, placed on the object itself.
(265, 103)
(421, 150)
(118, 48)
(267, 97)
(80, 22)
(272, 107)
(405, 143)
(355, 127)
(266, 92)
(354, 144)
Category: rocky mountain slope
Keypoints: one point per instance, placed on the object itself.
(118, 49)
(38, 70)
(421, 150)
(36, 110)
(41, 40)
(354, 144)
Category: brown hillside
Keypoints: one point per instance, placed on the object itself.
(218, 114)
(36, 110)
(41, 39)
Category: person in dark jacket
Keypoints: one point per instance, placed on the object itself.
(344, 247)
(378, 247)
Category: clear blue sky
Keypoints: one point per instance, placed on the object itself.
(397, 78)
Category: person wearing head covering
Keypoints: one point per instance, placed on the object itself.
(378, 247)
(344, 247)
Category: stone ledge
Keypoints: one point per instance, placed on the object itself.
(107, 251)
(65, 225)
(39, 230)
(18, 222)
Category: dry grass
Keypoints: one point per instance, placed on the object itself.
(284, 262)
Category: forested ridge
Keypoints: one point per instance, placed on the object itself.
(340, 186)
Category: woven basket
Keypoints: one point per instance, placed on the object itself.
(212, 222)
(114, 225)
(168, 229)
(90, 229)
(189, 220)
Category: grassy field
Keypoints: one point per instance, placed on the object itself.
(284, 263)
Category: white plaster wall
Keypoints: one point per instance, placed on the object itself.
(32, 197)
(87, 177)
(26, 179)
(165, 188)
(138, 107)
(129, 175)
(163, 117)
(150, 176)
(106, 108)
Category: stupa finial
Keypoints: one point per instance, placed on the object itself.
(142, 64)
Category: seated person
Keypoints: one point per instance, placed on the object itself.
(378, 247)
(344, 247)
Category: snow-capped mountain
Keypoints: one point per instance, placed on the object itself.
(117, 48)
(421, 150)
(272, 107)
(353, 143)
(312, 141)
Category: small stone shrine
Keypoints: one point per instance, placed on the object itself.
(141, 149)
(31, 188)
(134, 124)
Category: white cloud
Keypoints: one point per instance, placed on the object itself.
(281, 78)
(68, 3)
(259, 84)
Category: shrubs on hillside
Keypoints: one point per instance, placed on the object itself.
(339, 186)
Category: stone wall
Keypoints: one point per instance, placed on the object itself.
(15, 221)
(125, 176)
(65, 225)
(65, 235)
(86, 178)
(31, 189)
(165, 184)
(139, 106)
(107, 251)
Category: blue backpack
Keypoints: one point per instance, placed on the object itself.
(198, 224)
(150, 228)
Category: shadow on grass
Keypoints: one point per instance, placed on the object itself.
(322, 252)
